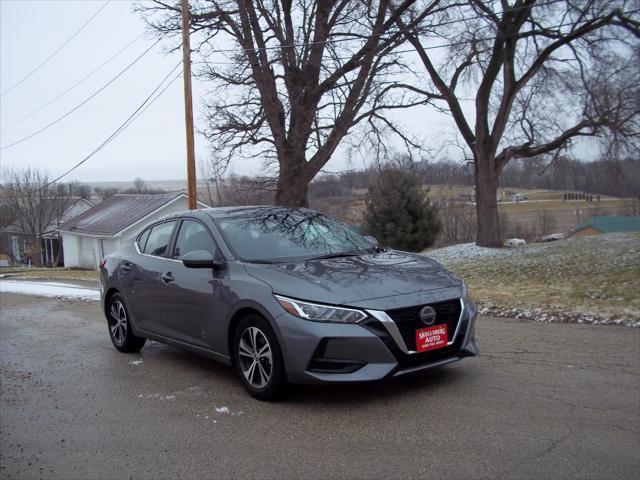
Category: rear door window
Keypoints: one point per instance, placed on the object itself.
(142, 239)
(159, 238)
(193, 236)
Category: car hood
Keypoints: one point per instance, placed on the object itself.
(352, 280)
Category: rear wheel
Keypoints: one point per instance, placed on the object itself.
(258, 359)
(119, 325)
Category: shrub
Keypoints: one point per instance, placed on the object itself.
(398, 213)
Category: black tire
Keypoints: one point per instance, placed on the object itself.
(119, 326)
(256, 327)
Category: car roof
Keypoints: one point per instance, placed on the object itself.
(233, 211)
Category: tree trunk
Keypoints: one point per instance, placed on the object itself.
(292, 186)
(291, 194)
(488, 234)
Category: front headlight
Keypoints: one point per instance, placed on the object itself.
(320, 313)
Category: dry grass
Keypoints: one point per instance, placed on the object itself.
(51, 273)
(595, 276)
(537, 205)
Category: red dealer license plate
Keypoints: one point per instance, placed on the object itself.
(431, 338)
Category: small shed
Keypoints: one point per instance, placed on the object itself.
(606, 224)
(102, 229)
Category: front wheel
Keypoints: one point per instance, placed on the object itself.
(119, 325)
(258, 359)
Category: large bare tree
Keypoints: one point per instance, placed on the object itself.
(34, 204)
(291, 78)
(541, 74)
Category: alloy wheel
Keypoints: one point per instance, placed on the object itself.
(118, 324)
(255, 356)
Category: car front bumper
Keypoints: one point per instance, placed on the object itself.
(317, 353)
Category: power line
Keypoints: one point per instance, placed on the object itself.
(46, 60)
(137, 112)
(33, 134)
(408, 50)
(63, 93)
(340, 40)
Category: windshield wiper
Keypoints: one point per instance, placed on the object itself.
(336, 255)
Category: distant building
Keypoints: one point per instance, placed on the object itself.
(51, 243)
(598, 225)
(102, 229)
(516, 242)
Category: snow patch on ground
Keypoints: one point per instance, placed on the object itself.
(157, 396)
(543, 315)
(466, 251)
(49, 289)
(136, 362)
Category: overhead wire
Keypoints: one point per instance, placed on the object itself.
(146, 103)
(151, 99)
(93, 95)
(340, 40)
(56, 51)
(67, 90)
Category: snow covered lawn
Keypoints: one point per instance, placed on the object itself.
(585, 280)
(49, 289)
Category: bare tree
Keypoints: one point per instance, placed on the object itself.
(212, 171)
(458, 220)
(546, 221)
(541, 74)
(35, 205)
(295, 78)
(77, 189)
(105, 192)
(140, 185)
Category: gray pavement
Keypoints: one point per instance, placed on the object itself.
(543, 401)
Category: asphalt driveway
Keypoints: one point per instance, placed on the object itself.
(543, 401)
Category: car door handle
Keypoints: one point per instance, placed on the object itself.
(167, 277)
(125, 267)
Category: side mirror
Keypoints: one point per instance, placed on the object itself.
(201, 259)
(373, 240)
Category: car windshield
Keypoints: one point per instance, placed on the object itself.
(281, 235)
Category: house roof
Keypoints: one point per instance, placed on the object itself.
(612, 224)
(117, 213)
(16, 228)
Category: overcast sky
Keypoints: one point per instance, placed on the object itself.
(154, 146)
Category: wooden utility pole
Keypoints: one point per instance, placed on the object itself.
(188, 106)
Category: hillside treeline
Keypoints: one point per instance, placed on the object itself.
(617, 178)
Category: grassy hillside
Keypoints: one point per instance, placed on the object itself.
(589, 279)
(523, 218)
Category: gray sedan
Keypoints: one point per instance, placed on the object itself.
(285, 295)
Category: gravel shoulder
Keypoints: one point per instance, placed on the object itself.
(542, 401)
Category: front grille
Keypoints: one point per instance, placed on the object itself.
(408, 320)
(415, 359)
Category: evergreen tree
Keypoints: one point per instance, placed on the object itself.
(398, 213)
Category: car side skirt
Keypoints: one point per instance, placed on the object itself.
(185, 346)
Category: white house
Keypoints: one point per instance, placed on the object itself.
(51, 248)
(102, 229)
